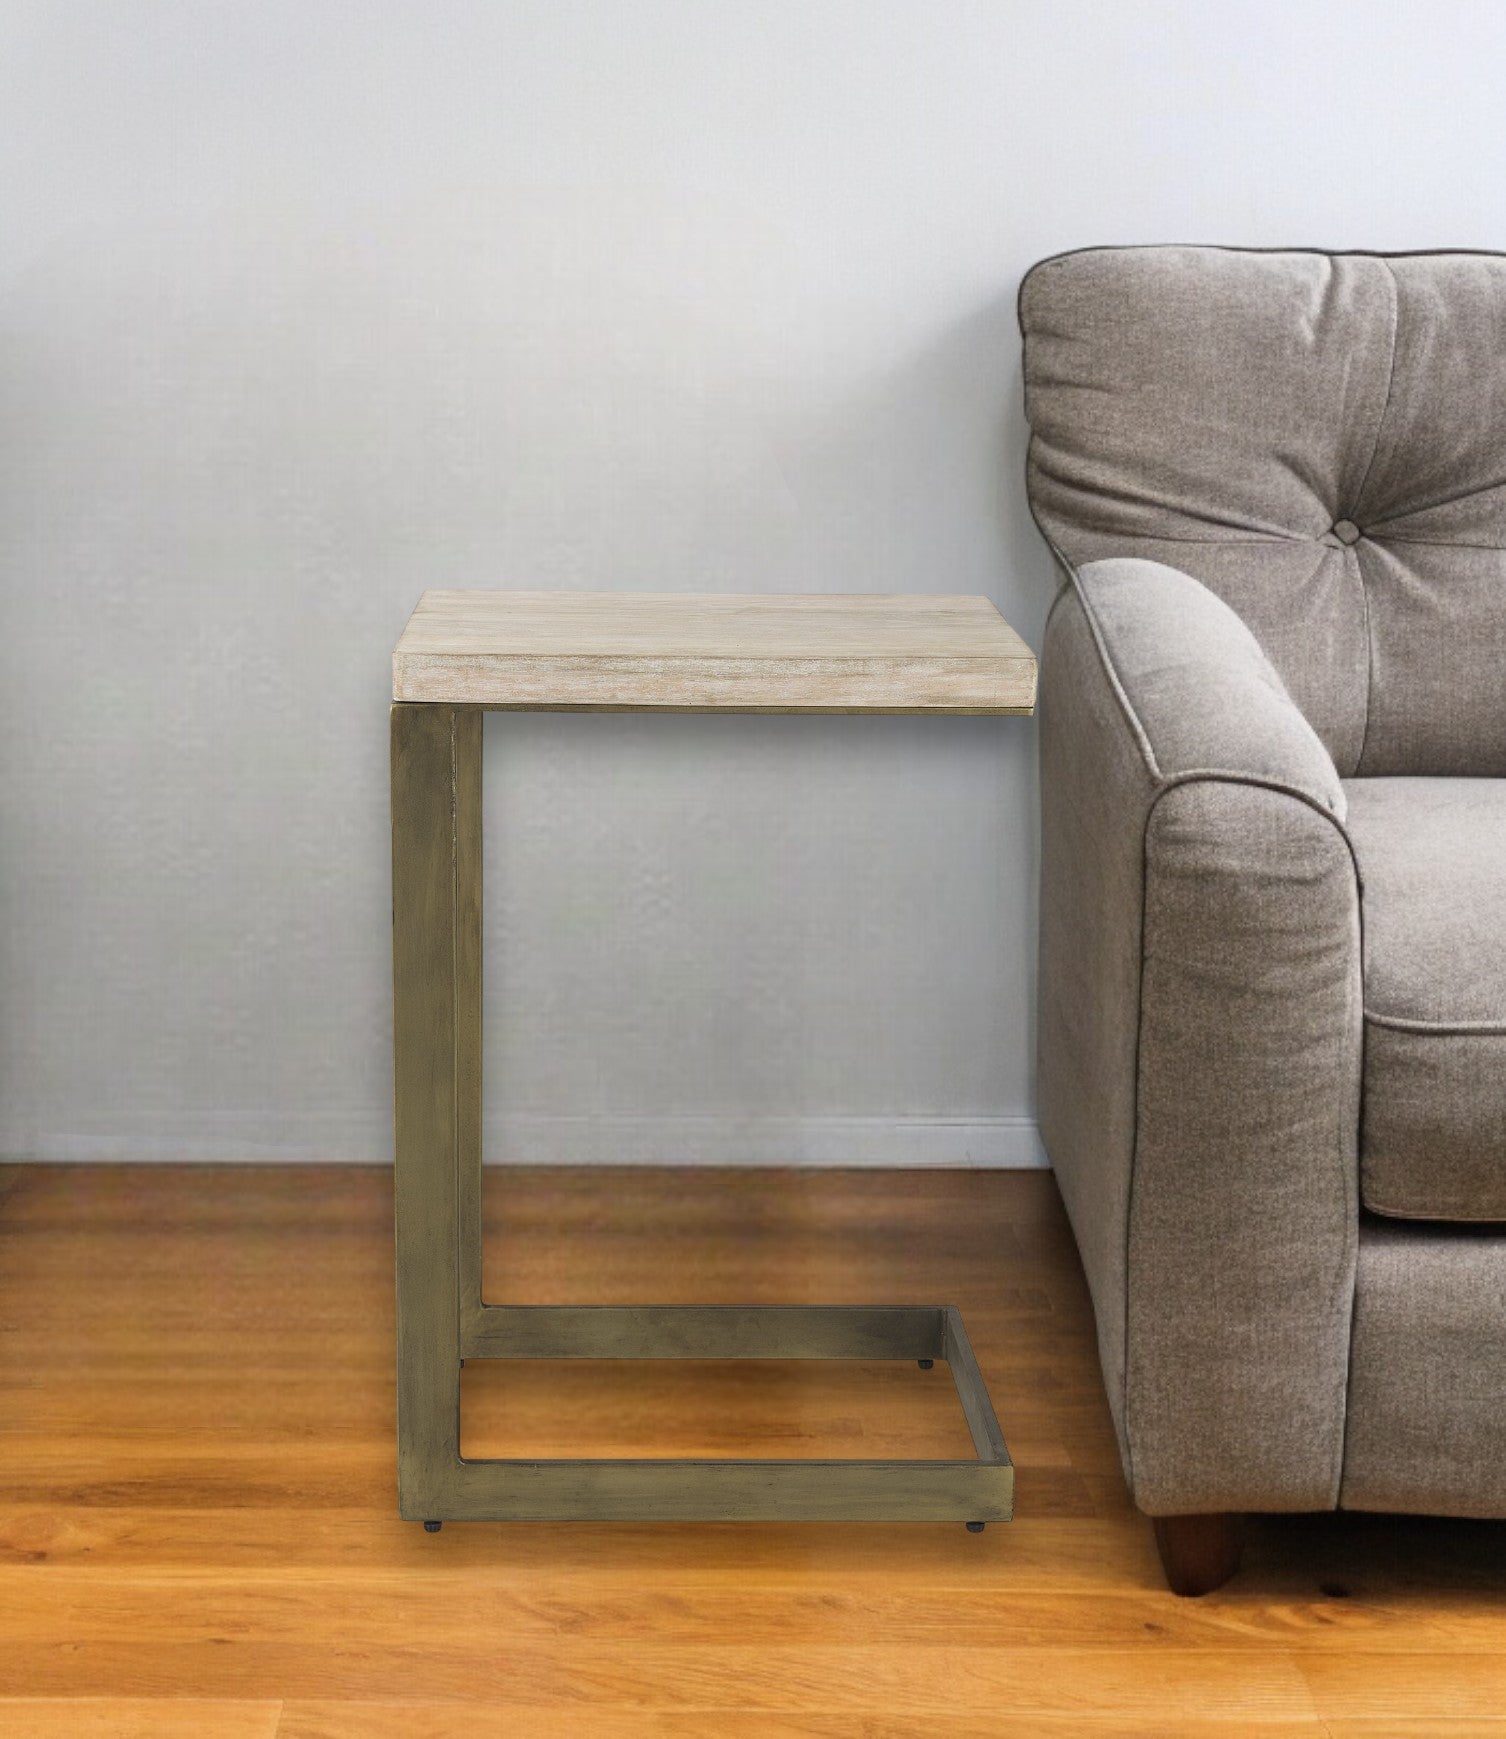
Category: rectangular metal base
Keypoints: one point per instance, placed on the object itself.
(981, 1490)
(442, 1319)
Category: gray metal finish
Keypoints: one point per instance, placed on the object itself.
(442, 1318)
(706, 1331)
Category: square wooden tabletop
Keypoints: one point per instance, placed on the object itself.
(792, 652)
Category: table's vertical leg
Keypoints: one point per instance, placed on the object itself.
(436, 982)
(467, 765)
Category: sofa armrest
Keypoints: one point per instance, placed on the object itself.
(1198, 694)
(1200, 1032)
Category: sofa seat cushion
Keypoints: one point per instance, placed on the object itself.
(1431, 855)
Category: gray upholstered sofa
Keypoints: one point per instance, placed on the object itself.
(1273, 880)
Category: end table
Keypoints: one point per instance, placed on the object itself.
(464, 653)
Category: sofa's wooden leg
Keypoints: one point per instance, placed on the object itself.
(1198, 1553)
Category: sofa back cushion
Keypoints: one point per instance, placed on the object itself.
(1320, 439)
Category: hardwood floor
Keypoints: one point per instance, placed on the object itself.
(198, 1534)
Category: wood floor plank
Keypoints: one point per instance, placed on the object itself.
(1484, 1728)
(1048, 1553)
(577, 1673)
(374, 1610)
(1385, 1729)
(140, 1718)
(328, 1720)
(197, 1491)
(1384, 1687)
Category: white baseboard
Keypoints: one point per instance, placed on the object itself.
(993, 1142)
(832, 1141)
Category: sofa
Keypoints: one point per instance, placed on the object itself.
(1272, 994)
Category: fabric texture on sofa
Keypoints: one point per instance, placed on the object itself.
(1200, 1038)
(1273, 876)
(1318, 438)
(1427, 1385)
(1432, 864)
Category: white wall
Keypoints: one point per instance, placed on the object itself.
(305, 306)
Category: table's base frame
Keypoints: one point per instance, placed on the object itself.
(442, 1319)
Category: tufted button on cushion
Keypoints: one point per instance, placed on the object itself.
(1210, 408)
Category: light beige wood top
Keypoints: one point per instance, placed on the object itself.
(829, 652)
